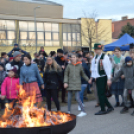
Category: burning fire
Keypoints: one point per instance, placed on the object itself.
(26, 114)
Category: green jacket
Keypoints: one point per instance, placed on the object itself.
(72, 76)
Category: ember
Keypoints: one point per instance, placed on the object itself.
(25, 114)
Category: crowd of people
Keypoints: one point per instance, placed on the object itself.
(69, 72)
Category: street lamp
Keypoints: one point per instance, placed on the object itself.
(35, 26)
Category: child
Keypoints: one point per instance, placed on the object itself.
(72, 81)
(2, 77)
(10, 86)
(128, 71)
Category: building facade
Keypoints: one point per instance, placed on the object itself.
(53, 32)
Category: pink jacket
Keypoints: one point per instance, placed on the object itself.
(10, 88)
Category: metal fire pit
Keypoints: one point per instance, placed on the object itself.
(57, 129)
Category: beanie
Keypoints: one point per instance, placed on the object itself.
(16, 44)
(127, 59)
(14, 69)
(16, 53)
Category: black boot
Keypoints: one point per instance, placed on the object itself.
(110, 110)
(132, 113)
(124, 110)
(117, 104)
(122, 104)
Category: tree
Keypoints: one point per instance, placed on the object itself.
(127, 29)
(93, 31)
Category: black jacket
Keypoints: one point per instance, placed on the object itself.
(52, 79)
(60, 61)
(40, 62)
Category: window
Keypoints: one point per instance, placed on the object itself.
(3, 42)
(40, 27)
(78, 37)
(3, 24)
(69, 36)
(32, 35)
(74, 43)
(23, 25)
(31, 26)
(48, 36)
(10, 25)
(40, 35)
(55, 27)
(23, 43)
(2, 35)
(31, 42)
(55, 36)
(69, 43)
(73, 36)
(23, 35)
(10, 42)
(11, 35)
(64, 36)
(40, 42)
(47, 26)
(56, 43)
(48, 43)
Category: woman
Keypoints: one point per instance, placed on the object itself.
(52, 76)
(29, 76)
(118, 86)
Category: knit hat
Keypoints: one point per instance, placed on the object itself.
(60, 51)
(16, 53)
(14, 69)
(127, 59)
(97, 46)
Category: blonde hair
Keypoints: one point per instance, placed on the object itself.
(54, 66)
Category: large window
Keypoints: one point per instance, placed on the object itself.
(47, 33)
(71, 35)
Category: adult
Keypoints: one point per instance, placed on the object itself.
(101, 71)
(42, 51)
(29, 76)
(79, 51)
(52, 78)
(53, 54)
(118, 86)
(16, 62)
(16, 48)
(61, 62)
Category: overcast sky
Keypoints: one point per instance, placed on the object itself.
(106, 9)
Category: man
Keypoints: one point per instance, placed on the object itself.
(4, 57)
(16, 62)
(61, 61)
(16, 48)
(79, 51)
(101, 71)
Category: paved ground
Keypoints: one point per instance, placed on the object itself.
(113, 123)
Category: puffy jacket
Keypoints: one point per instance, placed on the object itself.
(10, 87)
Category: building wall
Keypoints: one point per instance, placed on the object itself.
(117, 26)
(100, 31)
(18, 8)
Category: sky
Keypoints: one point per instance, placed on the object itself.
(105, 9)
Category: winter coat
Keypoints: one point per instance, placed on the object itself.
(52, 78)
(60, 61)
(10, 88)
(72, 76)
(29, 74)
(128, 72)
(86, 71)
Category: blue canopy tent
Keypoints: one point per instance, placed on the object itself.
(122, 43)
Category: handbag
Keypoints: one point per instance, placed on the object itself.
(108, 92)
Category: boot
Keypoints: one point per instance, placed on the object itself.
(117, 104)
(122, 104)
(124, 110)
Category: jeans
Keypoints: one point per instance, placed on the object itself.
(117, 98)
(83, 88)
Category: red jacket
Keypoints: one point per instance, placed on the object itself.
(10, 88)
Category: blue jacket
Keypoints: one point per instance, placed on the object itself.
(10, 54)
(87, 72)
(29, 74)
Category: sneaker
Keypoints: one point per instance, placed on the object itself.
(124, 110)
(82, 114)
(79, 109)
(83, 104)
(117, 104)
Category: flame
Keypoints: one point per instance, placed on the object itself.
(26, 114)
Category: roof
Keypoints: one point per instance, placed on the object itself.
(46, 2)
